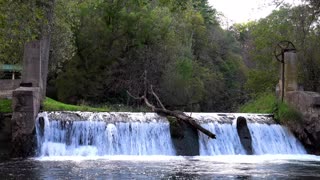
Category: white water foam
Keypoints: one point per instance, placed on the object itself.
(266, 139)
(108, 134)
(99, 138)
(274, 139)
(227, 141)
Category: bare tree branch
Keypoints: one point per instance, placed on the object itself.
(177, 114)
(134, 97)
(157, 97)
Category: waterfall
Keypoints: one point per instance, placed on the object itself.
(227, 140)
(99, 138)
(274, 139)
(266, 139)
(103, 134)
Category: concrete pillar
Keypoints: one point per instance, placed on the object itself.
(26, 105)
(291, 71)
(26, 102)
(185, 139)
(45, 51)
(31, 71)
(290, 74)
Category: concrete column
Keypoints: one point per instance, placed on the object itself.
(290, 74)
(45, 51)
(291, 71)
(26, 105)
(26, 102)
(31, 71)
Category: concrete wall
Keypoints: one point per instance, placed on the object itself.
(26, 101)
(26, 105)
(5, 135)
(308, 130)
(184, 138)
(8, 84)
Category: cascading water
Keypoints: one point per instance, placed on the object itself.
(97, 138)
(266, 138)
(100, 134)
(274, 139)
(227, 140)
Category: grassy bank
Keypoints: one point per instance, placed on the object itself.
(268, 103)
(5, 105)
(265, 103)
(53, 105)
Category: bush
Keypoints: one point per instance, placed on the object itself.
(268, 103)
(265, 103)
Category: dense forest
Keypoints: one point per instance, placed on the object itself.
(100, 49)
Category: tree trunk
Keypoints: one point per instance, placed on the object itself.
(180, 116)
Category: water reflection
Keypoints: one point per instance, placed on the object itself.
(170, 168)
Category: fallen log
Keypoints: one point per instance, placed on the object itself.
(163, 111)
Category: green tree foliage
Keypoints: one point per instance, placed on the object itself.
(22, 21)
(258, 40)
(192, 62)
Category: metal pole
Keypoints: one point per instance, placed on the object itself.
(282, 93)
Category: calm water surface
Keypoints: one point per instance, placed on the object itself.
(164, 167)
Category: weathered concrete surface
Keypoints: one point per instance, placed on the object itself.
(5, 135)
(7, 86)
(291, 71)
(308, 131)
(27, 100)
(184, 138)
(244, 134)
(26, 105)
(31, 72)
(290, 74)
(44, 50)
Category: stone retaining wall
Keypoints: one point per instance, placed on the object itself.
(308, 131)
(5, 135)
(9, 84)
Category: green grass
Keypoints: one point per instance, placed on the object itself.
(268, 103)
(53, 105)
(265, 103)
(286, 114)
(5, 105)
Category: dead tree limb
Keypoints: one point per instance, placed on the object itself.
(157, 98)
(177, 114)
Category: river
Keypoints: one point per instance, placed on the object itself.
(164, 167)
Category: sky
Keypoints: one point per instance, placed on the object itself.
(240, 11)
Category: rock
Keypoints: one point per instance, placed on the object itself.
(244, 134)
(307, 131)
(184, 138)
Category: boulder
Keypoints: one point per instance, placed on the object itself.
(308, 130)
(244, 134)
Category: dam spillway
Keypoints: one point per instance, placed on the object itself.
(105, 134)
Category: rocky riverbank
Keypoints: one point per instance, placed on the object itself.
(308, 129)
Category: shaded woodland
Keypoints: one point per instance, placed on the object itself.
(101, 48)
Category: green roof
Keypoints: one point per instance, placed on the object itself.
(10, 67)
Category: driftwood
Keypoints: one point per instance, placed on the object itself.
(163, 111)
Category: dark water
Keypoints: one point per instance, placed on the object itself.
(164, 167)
